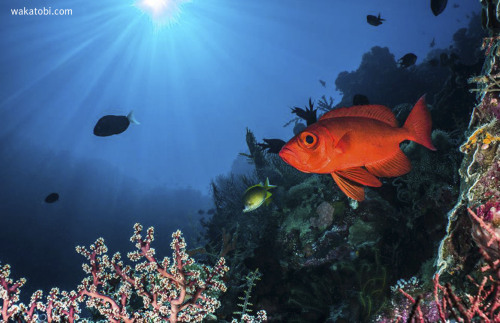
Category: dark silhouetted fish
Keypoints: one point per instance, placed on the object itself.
(360, 99)
(211, 211)
(433, 42)
(456, 5)
(51, 198)
(201, 212)
(407, 60)
(273, 146)
(113, 125)
(323, 83)
(309, 114)
(438, 6)
(374, 20)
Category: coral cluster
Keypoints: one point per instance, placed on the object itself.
(170, 290)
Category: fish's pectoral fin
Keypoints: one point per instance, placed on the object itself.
(344, 143)
(395, 165)
(350, 188)
(359, 175)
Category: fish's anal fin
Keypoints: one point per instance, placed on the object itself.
(395, 165)
(376, 112)
(343, 144)
(350, 188)
(268, 198)
(359, 175)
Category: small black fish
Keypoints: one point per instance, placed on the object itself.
(211, 211)
(407, 60)
(360, 99)
(374, 20)
(323, 83)
(433, 42)
(273, 146)
(201, 212)
(113, 125)
(51, 198)
(438, 6)
(309, 114)
(456, 5)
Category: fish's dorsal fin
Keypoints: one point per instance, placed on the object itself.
(372, 111)
(359, 175)
(396, 165)
(350, 188)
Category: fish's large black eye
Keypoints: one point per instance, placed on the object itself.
(308, 139)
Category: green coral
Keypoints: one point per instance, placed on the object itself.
(298, 219)
(362, 234)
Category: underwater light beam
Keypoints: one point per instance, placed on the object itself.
(162, 12)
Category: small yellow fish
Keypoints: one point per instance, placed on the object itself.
(257, 195)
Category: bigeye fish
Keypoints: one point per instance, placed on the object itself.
(257, 195)
(357, 145)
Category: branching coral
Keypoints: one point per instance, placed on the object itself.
(173, 290)
(244, 313)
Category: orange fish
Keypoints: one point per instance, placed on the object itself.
(358, 144)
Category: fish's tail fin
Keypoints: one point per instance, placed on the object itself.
(131, 118)
(419, 124)
(381, 19)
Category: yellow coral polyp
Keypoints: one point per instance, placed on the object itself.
(479, 136)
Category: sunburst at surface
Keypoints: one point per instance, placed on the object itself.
(162, 12)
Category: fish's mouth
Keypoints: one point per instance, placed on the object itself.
(287, 155)
(291, 158)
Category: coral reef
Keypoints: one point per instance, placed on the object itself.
(324, 258)
(171, 290)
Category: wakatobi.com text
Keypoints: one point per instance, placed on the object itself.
(41, 12)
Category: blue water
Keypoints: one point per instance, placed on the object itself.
(195, 85)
